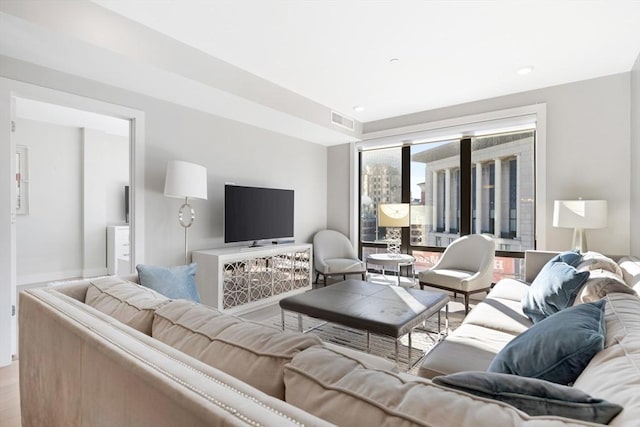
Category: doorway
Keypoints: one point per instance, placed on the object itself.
(17, 195)
(72, 177)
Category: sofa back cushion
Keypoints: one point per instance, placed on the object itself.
(630, 266)
(253, 353)
(614, 373)
(344, 391)
(127, 302)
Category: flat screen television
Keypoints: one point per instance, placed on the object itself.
(255, 213)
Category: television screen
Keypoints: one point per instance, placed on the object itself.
(254, 213)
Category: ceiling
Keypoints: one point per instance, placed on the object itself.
(284, 65)
(338, 53)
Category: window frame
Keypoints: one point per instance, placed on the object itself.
(443, 129)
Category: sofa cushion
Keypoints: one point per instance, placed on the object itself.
(630, 266)
(556, 349)
(614, 373)
(188, 325)
(127, 302)
(601, 283)
(510, 289)
(499, 314)
(173, 282)
(469, 347)
(533, 396)
(554, 289)
(248, 351)
(342, 391)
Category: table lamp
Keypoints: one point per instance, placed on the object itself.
(580, 215)
(185, 180)
(394, 216)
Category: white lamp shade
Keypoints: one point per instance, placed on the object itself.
(580, 213)
(394, 215)
(185, 179)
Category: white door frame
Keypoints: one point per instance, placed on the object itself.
(8, 90)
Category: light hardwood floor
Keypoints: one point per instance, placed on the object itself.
(9, 396)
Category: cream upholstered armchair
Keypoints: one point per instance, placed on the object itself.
(333, 254)
(465, 267)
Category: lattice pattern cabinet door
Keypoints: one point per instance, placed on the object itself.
(243, 279)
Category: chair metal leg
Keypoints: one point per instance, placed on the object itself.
(317, 276)
(466, 304)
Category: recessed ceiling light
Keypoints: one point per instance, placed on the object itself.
(394, 61)
(524, 70)
(358, 108)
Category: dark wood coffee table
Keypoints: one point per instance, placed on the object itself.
(392, 311)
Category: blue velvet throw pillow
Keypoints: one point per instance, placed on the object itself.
(554, 289)
(533, 396)
(173, 282)
(572, 258)
(556, 349)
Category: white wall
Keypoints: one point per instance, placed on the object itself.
(231, 151)
(635, 158)
(105, 173)
(49, 238)
(338, 163)
(588, 134)
(76, 188)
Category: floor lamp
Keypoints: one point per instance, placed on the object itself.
(185, 180)
(394, 216)
(580, 215)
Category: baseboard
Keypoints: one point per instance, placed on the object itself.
(95, 272)
(28, 279)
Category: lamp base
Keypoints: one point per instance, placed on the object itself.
(393, 240)
(186, 216)
(579, 240)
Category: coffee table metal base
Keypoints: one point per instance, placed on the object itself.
(379, 309)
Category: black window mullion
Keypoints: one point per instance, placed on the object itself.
(406, 195)
(465, 186)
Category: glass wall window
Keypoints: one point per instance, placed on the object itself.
(505, 188)
(435, 193)
(380, 182)
(500, 191)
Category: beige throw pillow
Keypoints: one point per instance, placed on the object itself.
(599, 284)
(596, 261)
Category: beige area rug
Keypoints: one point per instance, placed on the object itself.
(423, 339)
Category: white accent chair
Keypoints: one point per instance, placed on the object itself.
(334, 255)
(465, 267)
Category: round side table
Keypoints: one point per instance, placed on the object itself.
(392, 260)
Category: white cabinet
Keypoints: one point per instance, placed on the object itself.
(118, 260)
(243, 279)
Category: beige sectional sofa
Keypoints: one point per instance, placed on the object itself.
(110, 352)
(613, 374)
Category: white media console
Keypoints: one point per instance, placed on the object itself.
(241, 279)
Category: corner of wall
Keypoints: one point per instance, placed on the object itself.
(634, 229)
